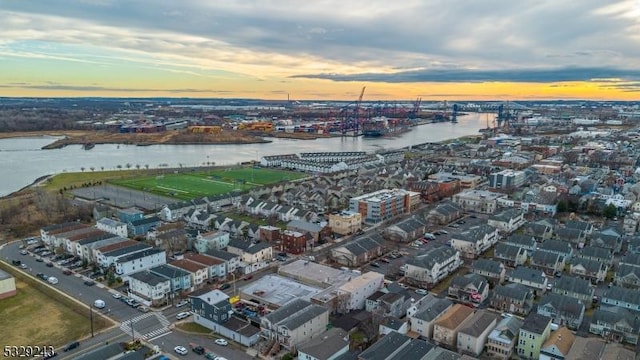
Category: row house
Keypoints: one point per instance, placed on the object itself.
(97, 253)
(507, 221)
(199, 272)
(294, 242)
(575, 287)
(112, 226)
(428, 269)
(588, 269)
(49, 234)
(142, 226)
(502, 339)
(538, 230)
(138, 261)
(178, 210)
(406, 230)
(479, 201)
(471, 289)
(446, 328)
(595, 253)
(318, 232)
(633, 245)
(423, 314)
(559, 247)
(251, 253)
(231, 261)
(213, 240)
(67, 241)
(492, 270)
(512, 298)
(616, 324)
(544, 203)
(473, 335)
(622, 297)
(558, 345)
(294, 324)
(359, 251)
(547, 261)
(445, 212)
(611, 241)
(108, 256)
(475, 241)
(532, 278)
(180, 279)
(200, 219)
(149, 288)
(628, 273)
(534, 332)
(562, 309)
(573, 236)
(583, 226)
(216, 268)
(510, 255)
(527, 242)
(85, 247)
(353, 294)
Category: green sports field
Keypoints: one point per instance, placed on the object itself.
(186, 186)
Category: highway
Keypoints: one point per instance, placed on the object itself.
(154, 326)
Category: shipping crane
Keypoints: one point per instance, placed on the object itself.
(352, 118)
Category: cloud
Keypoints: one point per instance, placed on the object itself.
(97, 88)
(475, 76)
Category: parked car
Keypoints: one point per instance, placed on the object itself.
(144, 309)
(221, 342)
(49, 264)
(375, 264)
(24, 252)
(421, 291)
(224, 286)
(183, 315)
(71, 346)
(16, 262)
(89, 282)
(182, 303)
(67, 272)
(116, 295)
(23, 266)
(39, 259)
(198, 350)
(180, 350)
(385, 260)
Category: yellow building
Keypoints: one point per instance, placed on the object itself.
(345, 223)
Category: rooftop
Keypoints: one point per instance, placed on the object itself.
(278, 290)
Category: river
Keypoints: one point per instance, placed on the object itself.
(22, 160)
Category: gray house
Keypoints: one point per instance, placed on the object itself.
(596, 253)
(557, 246)
(510, 255)
(563, 310)
(588, 269)
(609, 241)
(616, 324)
(527, 242)
(512, 298)
(622, 297)
(492, 270)
(575, 287)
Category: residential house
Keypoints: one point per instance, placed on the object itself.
(479, 201)
(475, 241)
(562, 248)
(633, 245)
(628, 275)
(596, 253)
(445, 212)
(616, 324)
(270, 234)
(358, 251)
(51, 235)
(318, 232)
(446, 328)
(175, 211)
(471, 289)
(562, 309)
(576, 237)
(295, 323)
(130, 214)
(353, 294)
(180, 279)
(503, 338)
(106, 256)
(591, 348)
(142, 226)
(112, 226)
(391, 324)
(254, 255)
(172, 237)
(149, 288)
(345, 223)
(575, 287)
(611, 241)
(330, 345)
(507, 221)
(538, 230)
(547, 261)
(215, 267)
(527, 242)
(510, 255)
(294, 242)
(512, 298)
(424, 312)
(558, 345)
(199, 272)
(396, 346)
(141, 260)
(583, 226)
(492, 270)
(213, 240)
(532, 278)
(406, 230)
(533, 334)
(433, 265)
(231, 261)
(591, 270)
(390, 304)
(473, 335)
(622, 297)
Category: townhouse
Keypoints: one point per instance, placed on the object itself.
(588, 269)
(507, 221)
(471, 289)
(559, 247)
(406, 230)
(473, 334)
(527, 242)
(558, 345)
(423, 313)
(141, 260)
(596, 253)
(539, 230)
(575, 287)
(550, 263)
(396, 346)
(108, 255)
(622, 297)
(534, 332)
(213, 240)
(492, 270)
(431, 267)
(628, 273)
(253, 255)
(573, 236)
(503, 338)
(479, 201)
(50, 235)
(608, 239)
(446, 328)
(616, 324)
(85, 247)
(532, 278)
(475, 241)
(359, 251)
(199, 272)
(180, 279)
(512, 298)
(216, 269)
(294, 324)
(149, 288)
(445, 212)
(231, 261)
(510, 255)
(115, 227)
(563, 310)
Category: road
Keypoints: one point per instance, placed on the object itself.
(154, 326)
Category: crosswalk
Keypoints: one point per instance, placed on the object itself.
(161, 328)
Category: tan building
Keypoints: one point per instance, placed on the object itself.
(475, 331)
(7, 285)
(345, 223)
(558, 345)
(445, 329)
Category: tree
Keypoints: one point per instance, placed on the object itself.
(562, 206)
(610, 211)
(92, 168)
(82, 168)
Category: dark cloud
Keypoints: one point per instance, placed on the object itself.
(478, 76)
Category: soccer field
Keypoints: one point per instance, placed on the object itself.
(199, 184)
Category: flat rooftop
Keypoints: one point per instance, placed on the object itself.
(277, 290)
(309, 272)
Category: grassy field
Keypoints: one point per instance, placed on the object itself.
(33, 317)
(186, 186)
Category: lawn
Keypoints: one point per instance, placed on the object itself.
(193, 328)
(33, 318)
(186, 186)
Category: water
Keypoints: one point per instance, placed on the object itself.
(22, 161)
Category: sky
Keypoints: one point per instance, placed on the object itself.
(322, 49)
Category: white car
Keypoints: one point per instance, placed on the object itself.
(183, 315)
(180, 350)
(116, 296)
(220, 358)
(221, 342)
(182, 303)
(421, 291)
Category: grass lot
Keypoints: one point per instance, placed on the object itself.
(88, 177)
(186, 186)
(193, 328)
(33, 317)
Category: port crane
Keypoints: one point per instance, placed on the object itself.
(352, 118)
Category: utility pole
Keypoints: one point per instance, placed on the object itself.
(133, 336)
(91, 317)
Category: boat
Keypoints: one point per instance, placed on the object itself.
(382, 126)
(88, 146)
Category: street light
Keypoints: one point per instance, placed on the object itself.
(234, 283)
